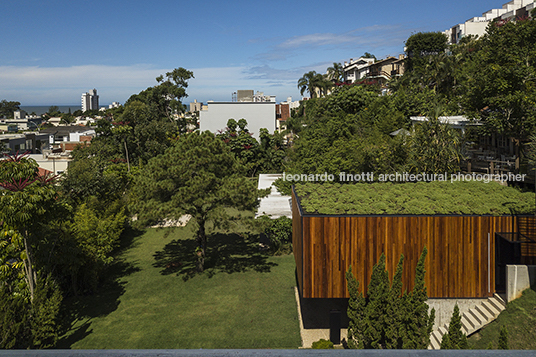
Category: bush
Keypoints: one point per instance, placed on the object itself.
(279, 232)
(322, 344)
(25, 324)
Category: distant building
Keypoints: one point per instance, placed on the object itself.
(196, 106)
(356, 69)
(257, 114)
(249, 96)
(90, 100)
(369, 68)
(476, 26)
(282, 113)
(19, 114)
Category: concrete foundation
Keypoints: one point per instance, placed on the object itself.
(445, 307)
(519, 278)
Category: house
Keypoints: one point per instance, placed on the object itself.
(67, 138)
(33, 142)
(385, 69)
(366, 220)
(356, 69)
(369, 68)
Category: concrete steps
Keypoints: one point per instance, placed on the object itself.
(473, 320)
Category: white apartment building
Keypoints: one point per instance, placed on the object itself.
(477, 25)
(257, 114)
(90, 100)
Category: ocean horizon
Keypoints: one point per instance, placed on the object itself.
(42, 109)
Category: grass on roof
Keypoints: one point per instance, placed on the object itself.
(419, 198)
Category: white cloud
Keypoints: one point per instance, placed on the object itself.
(63, 85)
(364, 38)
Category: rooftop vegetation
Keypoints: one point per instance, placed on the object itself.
(419, 198)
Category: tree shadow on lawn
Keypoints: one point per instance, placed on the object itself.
(78, 311)
(227, 253)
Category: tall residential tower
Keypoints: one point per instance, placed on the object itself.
(90, 100)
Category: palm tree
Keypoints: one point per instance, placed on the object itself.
(308, 83)
(336, 73)
(323, 84)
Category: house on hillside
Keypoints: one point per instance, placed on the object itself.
(367, 219)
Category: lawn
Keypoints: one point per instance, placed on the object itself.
(520, 321)
(244, 299)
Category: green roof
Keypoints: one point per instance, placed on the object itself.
(419, 198)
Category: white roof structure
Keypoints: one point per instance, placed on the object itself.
(275, 204)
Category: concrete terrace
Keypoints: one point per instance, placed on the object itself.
(275, 204)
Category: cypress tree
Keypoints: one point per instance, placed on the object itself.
(396, 310)
(388, 317)
(455, 339)
(356, 312)
(446, 344)
(418, 322)
(503, 338)
(376, 308)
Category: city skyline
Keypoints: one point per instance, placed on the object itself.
(59, 49)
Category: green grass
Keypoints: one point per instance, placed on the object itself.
(244, 299)
(520, 321)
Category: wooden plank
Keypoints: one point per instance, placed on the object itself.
(457, 262)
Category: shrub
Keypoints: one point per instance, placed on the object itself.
(278, 231)
(322, 344)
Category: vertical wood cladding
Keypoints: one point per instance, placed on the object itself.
(460, 261)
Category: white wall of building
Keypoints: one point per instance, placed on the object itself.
(258, 115)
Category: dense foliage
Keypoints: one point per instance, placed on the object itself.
(388, 317)
(263, 156)
(279, 232)
(426, 198)
(455, 339)
(197, 176)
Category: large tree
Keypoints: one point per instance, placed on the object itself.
(26, 201)
(7, 108)
(500, 85)
(164, 99)
(421, 45)
(198, 176)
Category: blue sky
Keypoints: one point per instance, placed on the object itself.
(54, 50)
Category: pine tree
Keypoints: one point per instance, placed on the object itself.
(503, 339)
(356, 312)
(455, 339)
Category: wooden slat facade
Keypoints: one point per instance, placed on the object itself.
(460, 261)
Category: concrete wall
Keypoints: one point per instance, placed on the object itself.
(519, 278)
(445, 307)
(258, 115)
